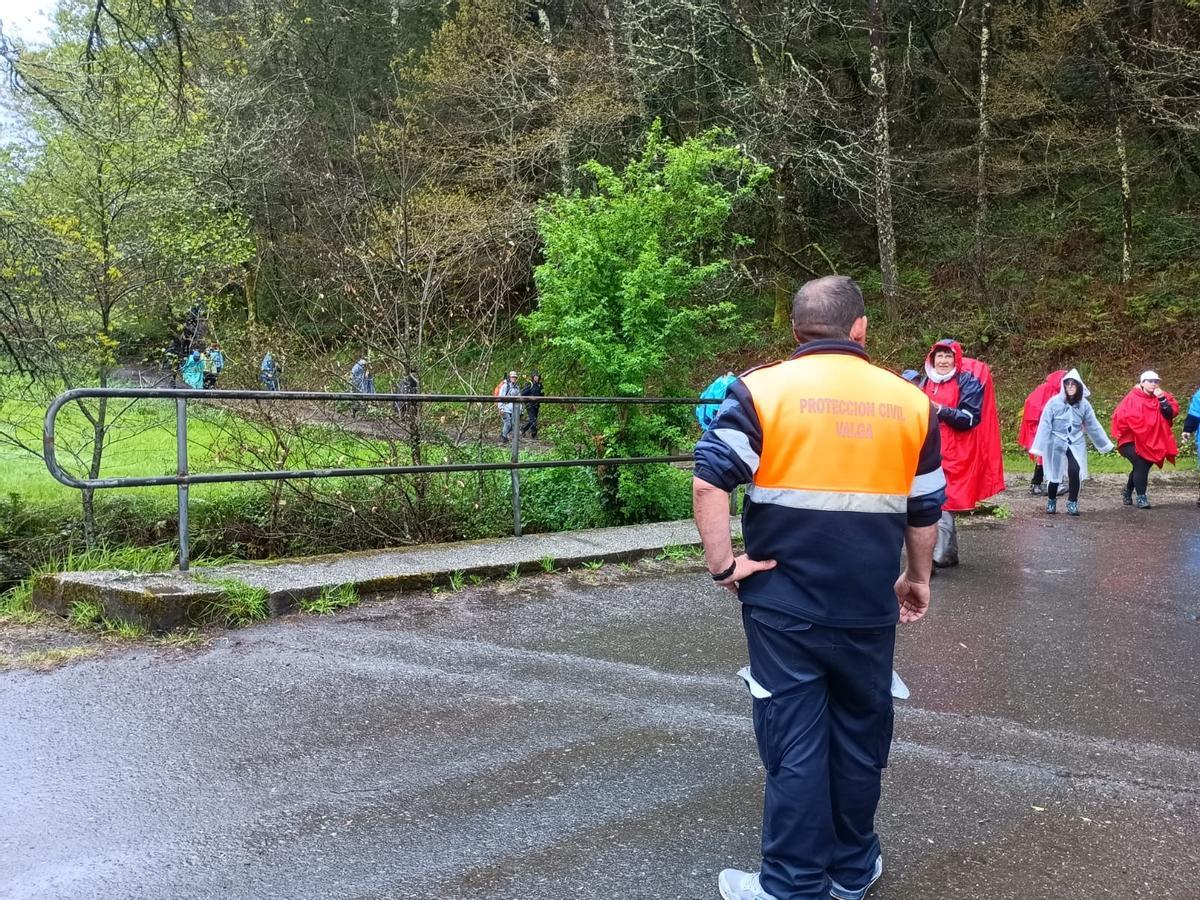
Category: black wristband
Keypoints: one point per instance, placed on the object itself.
(721, 576)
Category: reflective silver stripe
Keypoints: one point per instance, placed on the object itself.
(739, 444)
(928, 483)
(829, 501)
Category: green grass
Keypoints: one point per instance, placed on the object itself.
(240, 604)
(331, 599)
(43, 660)
(680, 552)
(88, 615)
(16, 604)
(547, 563)
(457, 579)
(593, 564)
(1017, 463)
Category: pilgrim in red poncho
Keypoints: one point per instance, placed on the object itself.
(1141, 429)
(964, 396)
(1034, 404)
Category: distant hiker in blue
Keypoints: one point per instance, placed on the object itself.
(268, 373)
(706, 412)
(363, 382)
(1066, 418)
(192, 371)
(1190, 426)
(360, 377)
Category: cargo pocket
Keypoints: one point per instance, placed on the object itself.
(764, 715)
(887, 723)
(764, 733)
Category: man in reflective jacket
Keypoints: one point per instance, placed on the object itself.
(844, 465)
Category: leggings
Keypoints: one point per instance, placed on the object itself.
(1038, 474)
(1141, 469)
(1072, 480)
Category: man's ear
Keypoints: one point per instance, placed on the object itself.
(858, 331)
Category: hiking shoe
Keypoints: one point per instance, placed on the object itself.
(735, 884)
(1037, 489)
(1072, 508)
(1127, 498)
(837, 892)
(1142, 502)
(1051, 507)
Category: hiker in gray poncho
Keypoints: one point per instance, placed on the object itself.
(1060, 440)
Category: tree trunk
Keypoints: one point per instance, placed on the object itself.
(1126, 204)
(250, 293)
(99, 428)
(562, 140)
(981, 198)
(884, 227)
(783, 288)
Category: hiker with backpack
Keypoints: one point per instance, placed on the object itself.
(532, 389)
(715, 392)
(507, 388)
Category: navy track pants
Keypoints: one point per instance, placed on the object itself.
(823, 737)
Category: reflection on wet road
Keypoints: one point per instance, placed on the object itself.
(584, 736)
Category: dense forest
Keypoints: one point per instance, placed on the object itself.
(625, 192)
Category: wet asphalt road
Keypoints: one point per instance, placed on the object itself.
(583, 736)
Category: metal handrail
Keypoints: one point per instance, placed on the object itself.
(183, 479)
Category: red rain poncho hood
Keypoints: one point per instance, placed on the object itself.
(1138, 420)
(1034, 404)
(972, 460)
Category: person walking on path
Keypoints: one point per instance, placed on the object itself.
(964, 397)
(715, 395)
(409, 384)
(844, 465)
(532, 389)
(209, 360)
(509, 388)
(1031, 416)
(362, 382)
(1060, 440)
(268, 372)
(217, 355)
(1190, 425)
(192, 371)
(1141, 426)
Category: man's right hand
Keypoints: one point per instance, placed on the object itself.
(913, 597)
(744, 567)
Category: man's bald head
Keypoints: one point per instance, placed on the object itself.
(827, 307)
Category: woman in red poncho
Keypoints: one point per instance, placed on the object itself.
(1141, 428)
(1034, 404)
(964, 398)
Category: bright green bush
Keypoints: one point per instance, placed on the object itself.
(630, 300)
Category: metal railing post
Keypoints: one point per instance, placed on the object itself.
(516, 473)
(181, 460)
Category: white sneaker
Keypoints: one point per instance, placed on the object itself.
(837, 892)
(735, 884)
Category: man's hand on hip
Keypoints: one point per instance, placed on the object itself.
(744, 567)
(913, 597)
